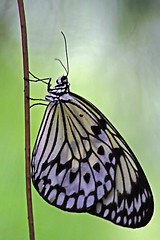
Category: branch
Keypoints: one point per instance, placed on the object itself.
(27, 117)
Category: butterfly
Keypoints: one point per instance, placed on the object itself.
(80, 162)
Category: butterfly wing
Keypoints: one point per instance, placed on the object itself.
(81, 163)
(130, 202)
(70, 169)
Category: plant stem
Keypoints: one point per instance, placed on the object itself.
(27, 117)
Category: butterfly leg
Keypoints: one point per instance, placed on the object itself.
(43, 104)
(37, 99)
(36, 79)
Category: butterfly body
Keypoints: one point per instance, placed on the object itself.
(81, 163)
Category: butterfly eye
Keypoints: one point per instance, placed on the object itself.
(64, 79)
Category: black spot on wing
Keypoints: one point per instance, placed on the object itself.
(100, 150)
(46, 180)
(61, 167)
(87, 177)
(96, 167)
(44, 165)
(72, 176)
(96, 130)
(111, 156)
(107, 178)
(116, 153)
(107, 165)
(103, 123)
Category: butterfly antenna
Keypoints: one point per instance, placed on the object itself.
(65, 42)
(57, 59)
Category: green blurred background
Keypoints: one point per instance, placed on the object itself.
(114, 56)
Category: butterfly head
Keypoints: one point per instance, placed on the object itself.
(62, 80)
(60, 89)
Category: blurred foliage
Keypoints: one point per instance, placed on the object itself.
(114, 56)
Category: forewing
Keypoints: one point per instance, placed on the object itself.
(71, 165)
